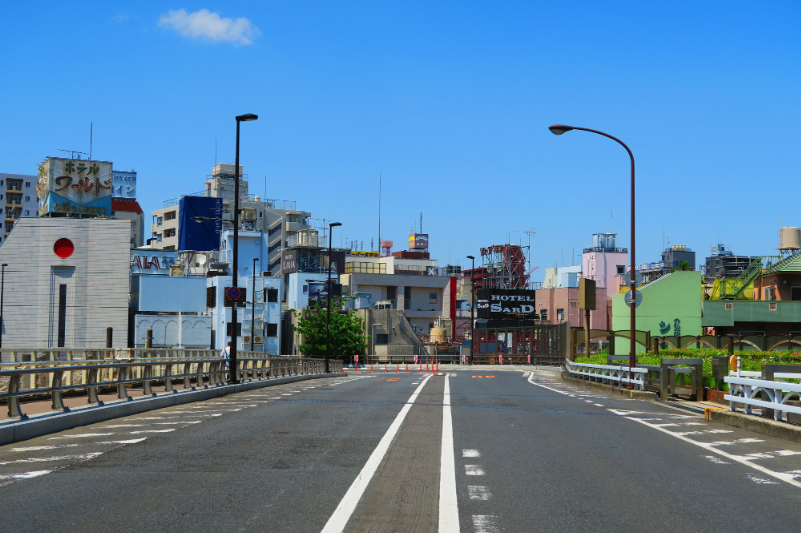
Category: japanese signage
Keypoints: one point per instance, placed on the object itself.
(73, 186)
(510, 304)
(123, 184)
(418, 241)
(289, 263)
(357, 253)
(152, 261)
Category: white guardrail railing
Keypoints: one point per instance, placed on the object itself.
(610, 374)
(750, 391)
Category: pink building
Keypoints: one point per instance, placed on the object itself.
(604, 261)
(561, 305)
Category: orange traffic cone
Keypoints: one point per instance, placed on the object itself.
(427, 366)
(371, 368)
(420, 368)
(397, 368)
(385, 367)
(407, 368)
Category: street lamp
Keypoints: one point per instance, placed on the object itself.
(232, 376)
(331, 227)
(253, 307)
(559, 129)
(2, 293)
(472, 306)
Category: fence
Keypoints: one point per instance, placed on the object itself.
(618, 375)
(540, 345)
(53, 372)
(767, 390)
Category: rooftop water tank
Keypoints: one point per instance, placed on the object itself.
(604, 240)
(789, 238)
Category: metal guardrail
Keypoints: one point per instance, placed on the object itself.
(610, 374)
(54, 378)
(773, 395)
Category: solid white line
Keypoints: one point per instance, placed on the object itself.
(787, 478)
(343, 512)
(448, 506)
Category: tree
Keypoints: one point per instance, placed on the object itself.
(682, 266)
(347, 330)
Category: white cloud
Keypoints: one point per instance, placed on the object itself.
(204, 24)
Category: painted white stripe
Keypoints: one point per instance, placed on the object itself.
(84, 436)
(26, 475)
(478, 492)
(343, 512)
(448, 505)
(82, 456)
(470, 453)
(152, 431)
(760, 480)
(485, 523)
(786, 477)
(473, 470)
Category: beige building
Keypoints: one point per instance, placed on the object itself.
(277, 218)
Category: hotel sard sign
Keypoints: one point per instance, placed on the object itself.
(509, 304)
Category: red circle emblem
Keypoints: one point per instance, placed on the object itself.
(63, 248)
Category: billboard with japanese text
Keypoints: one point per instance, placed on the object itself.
(74, 186)
(123, 184)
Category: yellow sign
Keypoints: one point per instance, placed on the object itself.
(357, 253)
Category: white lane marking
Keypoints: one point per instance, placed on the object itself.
(716, 460)
(26, 475)
(703, 432)
(448, 505)
(179, 422)
(60, 446)
(151, 431)
(473, 470)
(531, 380)
(598, 405)
(733, 442)
(484, 523)
(286, 394)
(768, 455)
(761, 480)
(786, 477)
(470, 453)
(477, 492)
(126, 426)
(84, 436)
(339, 519)
(82, 456)
(526, 374)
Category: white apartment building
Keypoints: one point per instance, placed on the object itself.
(18, 194)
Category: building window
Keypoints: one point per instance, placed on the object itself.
(271, 295)
(27, 183)
(170, 215)
(158, 222)
(27, 198)
(560, 315)
(272, 330)
(432, 297)
(305, 289)
(621, 269)
(27, 213)
(158, 237)
(543, 314)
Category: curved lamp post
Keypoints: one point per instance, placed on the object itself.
(232, 376)
(559, 129)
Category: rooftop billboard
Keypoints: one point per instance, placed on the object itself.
(509, 304)
(199, 236)
(74, 186)
(123, 184)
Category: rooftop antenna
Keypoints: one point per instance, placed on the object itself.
(379, 207)
(90, 141)
(611, 222)
(72, 153)
(215, 151)
(421, 222)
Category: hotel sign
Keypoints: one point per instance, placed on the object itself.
(510, 304)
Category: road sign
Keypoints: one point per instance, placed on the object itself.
(637, 278)
(637, 298)
(235, 296)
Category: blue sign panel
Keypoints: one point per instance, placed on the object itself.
(199, 236)
(123, 184)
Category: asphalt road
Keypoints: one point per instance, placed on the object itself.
(471, 450)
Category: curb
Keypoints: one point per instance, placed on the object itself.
(764, 426)
(45, 424)
(626, 393)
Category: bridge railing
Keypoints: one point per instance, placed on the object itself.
(618, 375)
(32, 379)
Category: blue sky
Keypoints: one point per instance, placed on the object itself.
(449, 101)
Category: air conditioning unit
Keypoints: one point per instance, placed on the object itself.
(248, 214)
(258, 339)
(246, 339)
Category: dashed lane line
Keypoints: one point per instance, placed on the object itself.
(478, 492)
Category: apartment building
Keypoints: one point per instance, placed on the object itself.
(18, 194)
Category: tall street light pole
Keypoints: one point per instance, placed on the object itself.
(2, 293)
(232, 375)
(559, 129)
(253, 307)
(472, 306)
(331, 227)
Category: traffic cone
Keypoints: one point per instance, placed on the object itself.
(427, 371)
(371, 368)
(407, 368)
(397, 368)
(385, 367)
(420, 368)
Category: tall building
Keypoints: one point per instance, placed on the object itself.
(604, 261)
(676, 254)
(18, 193)
(279, 219)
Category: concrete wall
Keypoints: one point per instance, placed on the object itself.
(195, 331)
(96, 277)
(674, 296)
